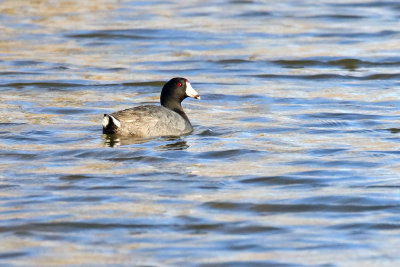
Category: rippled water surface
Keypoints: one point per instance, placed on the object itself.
(294, 159)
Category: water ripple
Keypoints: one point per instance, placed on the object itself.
(294, 208)
(294, 157)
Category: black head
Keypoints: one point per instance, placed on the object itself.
(175, 91)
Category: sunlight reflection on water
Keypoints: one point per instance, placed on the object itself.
(294, 156)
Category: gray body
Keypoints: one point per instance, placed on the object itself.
(169, 119)
(146, 121)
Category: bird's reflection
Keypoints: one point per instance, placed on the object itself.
(111, 140)
(170, 143)
(179, 145)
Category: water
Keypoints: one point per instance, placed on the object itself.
(294, 159)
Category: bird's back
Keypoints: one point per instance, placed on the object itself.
(146, 121)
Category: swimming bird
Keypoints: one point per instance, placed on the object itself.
(169, 119)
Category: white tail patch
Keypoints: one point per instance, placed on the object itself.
(106, 121)
(116, 122)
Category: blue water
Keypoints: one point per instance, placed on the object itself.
(294, 160)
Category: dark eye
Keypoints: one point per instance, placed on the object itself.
(179, 84)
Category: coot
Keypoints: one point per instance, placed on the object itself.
(169, 119)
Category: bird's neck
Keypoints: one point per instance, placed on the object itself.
(175, 106)
(182, 113)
